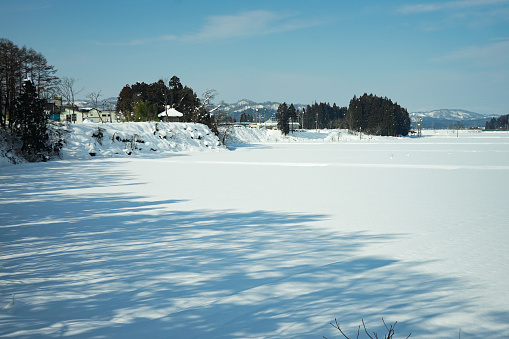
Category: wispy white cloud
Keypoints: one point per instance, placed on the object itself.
(439, 6)
(246, 24)
(493, 55)
(242, 25)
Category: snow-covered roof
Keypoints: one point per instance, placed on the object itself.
(170, 112)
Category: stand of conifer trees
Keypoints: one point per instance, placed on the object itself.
(377, 116)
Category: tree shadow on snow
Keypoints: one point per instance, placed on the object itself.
(102, 265)
(238, 146)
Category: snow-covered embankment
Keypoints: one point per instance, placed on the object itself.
(140, 138)
(87, 140)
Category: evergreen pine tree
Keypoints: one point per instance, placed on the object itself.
(282, 118)
(176, 94)
(292, 115)
(30, 124)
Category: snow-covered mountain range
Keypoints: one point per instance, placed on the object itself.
(245, 104)
(446, 118)
(448, 114)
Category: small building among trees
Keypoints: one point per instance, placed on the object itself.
(170, 114)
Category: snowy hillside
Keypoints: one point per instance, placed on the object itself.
(448, 114)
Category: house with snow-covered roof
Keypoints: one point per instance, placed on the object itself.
(170, 114)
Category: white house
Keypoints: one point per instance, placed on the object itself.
(71, 116)
(170, 114)
(96, 115)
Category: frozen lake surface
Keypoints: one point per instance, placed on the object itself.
(269, 240)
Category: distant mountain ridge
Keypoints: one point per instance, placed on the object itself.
(447, 118)
(245, 104)
(439, 118)
(448, 114)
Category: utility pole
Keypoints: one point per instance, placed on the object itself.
(316, 122)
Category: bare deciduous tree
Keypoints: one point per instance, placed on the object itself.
(67, 89)
(94, 97)
(389, 335)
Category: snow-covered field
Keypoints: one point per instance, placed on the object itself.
(273, 239)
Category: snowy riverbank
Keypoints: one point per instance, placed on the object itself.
(88, 140)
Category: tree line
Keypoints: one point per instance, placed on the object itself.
(369, 114)
(502, 122)
(323, 115)
(244, 117)
(26, 82)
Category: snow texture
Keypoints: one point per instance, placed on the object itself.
(274, 239)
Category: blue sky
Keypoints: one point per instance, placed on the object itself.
(423, 54)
